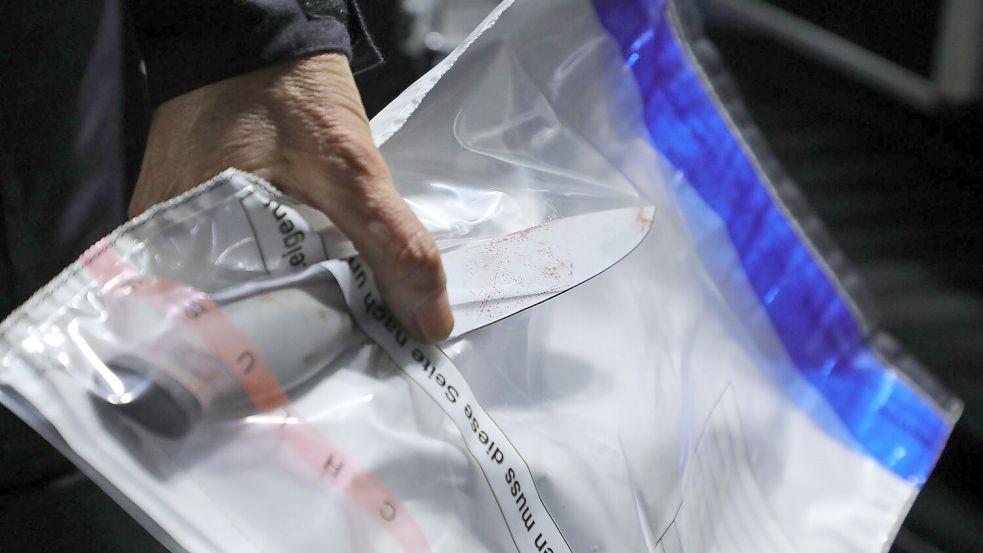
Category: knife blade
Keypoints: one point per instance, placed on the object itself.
(495, 278)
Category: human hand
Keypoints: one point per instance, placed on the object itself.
(301, 126)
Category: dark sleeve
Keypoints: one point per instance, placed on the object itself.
(187, 44)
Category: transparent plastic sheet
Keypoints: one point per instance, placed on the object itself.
(201, 363)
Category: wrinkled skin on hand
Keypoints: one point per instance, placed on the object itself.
(301, 126)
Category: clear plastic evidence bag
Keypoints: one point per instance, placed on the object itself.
(656, 350)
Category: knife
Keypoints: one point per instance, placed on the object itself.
(298, 323)
(492, 278)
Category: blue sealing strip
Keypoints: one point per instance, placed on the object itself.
(890, 420)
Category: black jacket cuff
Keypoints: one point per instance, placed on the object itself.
(187, 44)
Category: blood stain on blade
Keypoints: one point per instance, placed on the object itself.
(644, 219)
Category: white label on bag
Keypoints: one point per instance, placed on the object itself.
(286, 239)
(530, 524)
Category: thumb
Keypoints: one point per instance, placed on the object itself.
(334, 165)
(365, 205)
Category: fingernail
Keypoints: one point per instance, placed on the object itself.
(433, 318)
